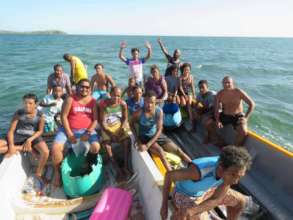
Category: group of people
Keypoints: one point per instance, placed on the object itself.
(75, 108)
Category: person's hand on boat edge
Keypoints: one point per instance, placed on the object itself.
(142, 147)
(27, 146)
(219, 124)
(164, 212)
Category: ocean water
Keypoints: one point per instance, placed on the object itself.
(263, 67)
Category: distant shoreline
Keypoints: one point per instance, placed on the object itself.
(46, 32)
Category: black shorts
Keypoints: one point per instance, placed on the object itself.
(234, 120)
(20, 139)
(162, 139)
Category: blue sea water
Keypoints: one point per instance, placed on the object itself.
(263, 67)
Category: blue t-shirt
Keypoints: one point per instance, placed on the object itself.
(207, 168)
(148, 126)
(133, 106)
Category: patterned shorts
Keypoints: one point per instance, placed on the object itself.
(231, 199)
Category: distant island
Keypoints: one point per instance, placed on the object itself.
(47, 32)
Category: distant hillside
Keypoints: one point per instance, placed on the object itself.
(47, 32)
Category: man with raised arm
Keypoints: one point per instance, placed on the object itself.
(206, 184)
(229, 101)
(172, 60)
(79, 120)
(135, 64)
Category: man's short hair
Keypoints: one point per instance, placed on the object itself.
(149, 94)
(99, 64)
(83, 80)
(203, 81)
(30, 96)
(172, 68)
(134, 49)
(235, 156)
(66, 56)
(57, 65)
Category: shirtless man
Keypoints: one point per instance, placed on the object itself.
(230, 98)
(102, 81)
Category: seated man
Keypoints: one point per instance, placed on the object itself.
(79, 120)
(59, 78)
(114, 122)
(149, 135)
(204, 109)
(206, 184)
(25, 133)
(51, 107)
(136, 102)
(100, 83)
(229, 100)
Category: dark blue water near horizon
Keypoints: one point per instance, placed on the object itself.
(263, 67)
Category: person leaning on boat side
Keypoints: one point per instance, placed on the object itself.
(79, 120)
(135, 64)
(204, 109)
(58, 78)
(149, 135)
(102, 81)
(230, 99)
(157, 84)
(25, 133)
(172, 60)
(77, 68)
(114, 122)
(206, 184)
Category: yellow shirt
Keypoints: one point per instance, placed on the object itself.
(79, 70)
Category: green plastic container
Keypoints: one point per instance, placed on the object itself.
(81, 178)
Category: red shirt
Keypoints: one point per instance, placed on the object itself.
(80, 115)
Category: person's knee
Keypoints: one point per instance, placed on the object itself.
(56, 152)
(95, 148)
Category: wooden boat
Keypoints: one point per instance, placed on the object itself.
(269, 181)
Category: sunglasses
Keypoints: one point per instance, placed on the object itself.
(84, 87)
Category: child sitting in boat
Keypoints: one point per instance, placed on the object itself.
(186, 89)
(25, 133)
(135, 64)
(130, 88)
(136, 102)
(206, 184)
(149, 135)
(204, 109)
(172, 113)
(51, 107)
(101, 82)
(114, 122)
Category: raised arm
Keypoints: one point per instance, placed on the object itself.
(121, 53)
(163, 48)
(149, 53)
(248, 100)
(190, 173)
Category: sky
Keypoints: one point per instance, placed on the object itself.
(269, 18)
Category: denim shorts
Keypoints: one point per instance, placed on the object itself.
(61, 136)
